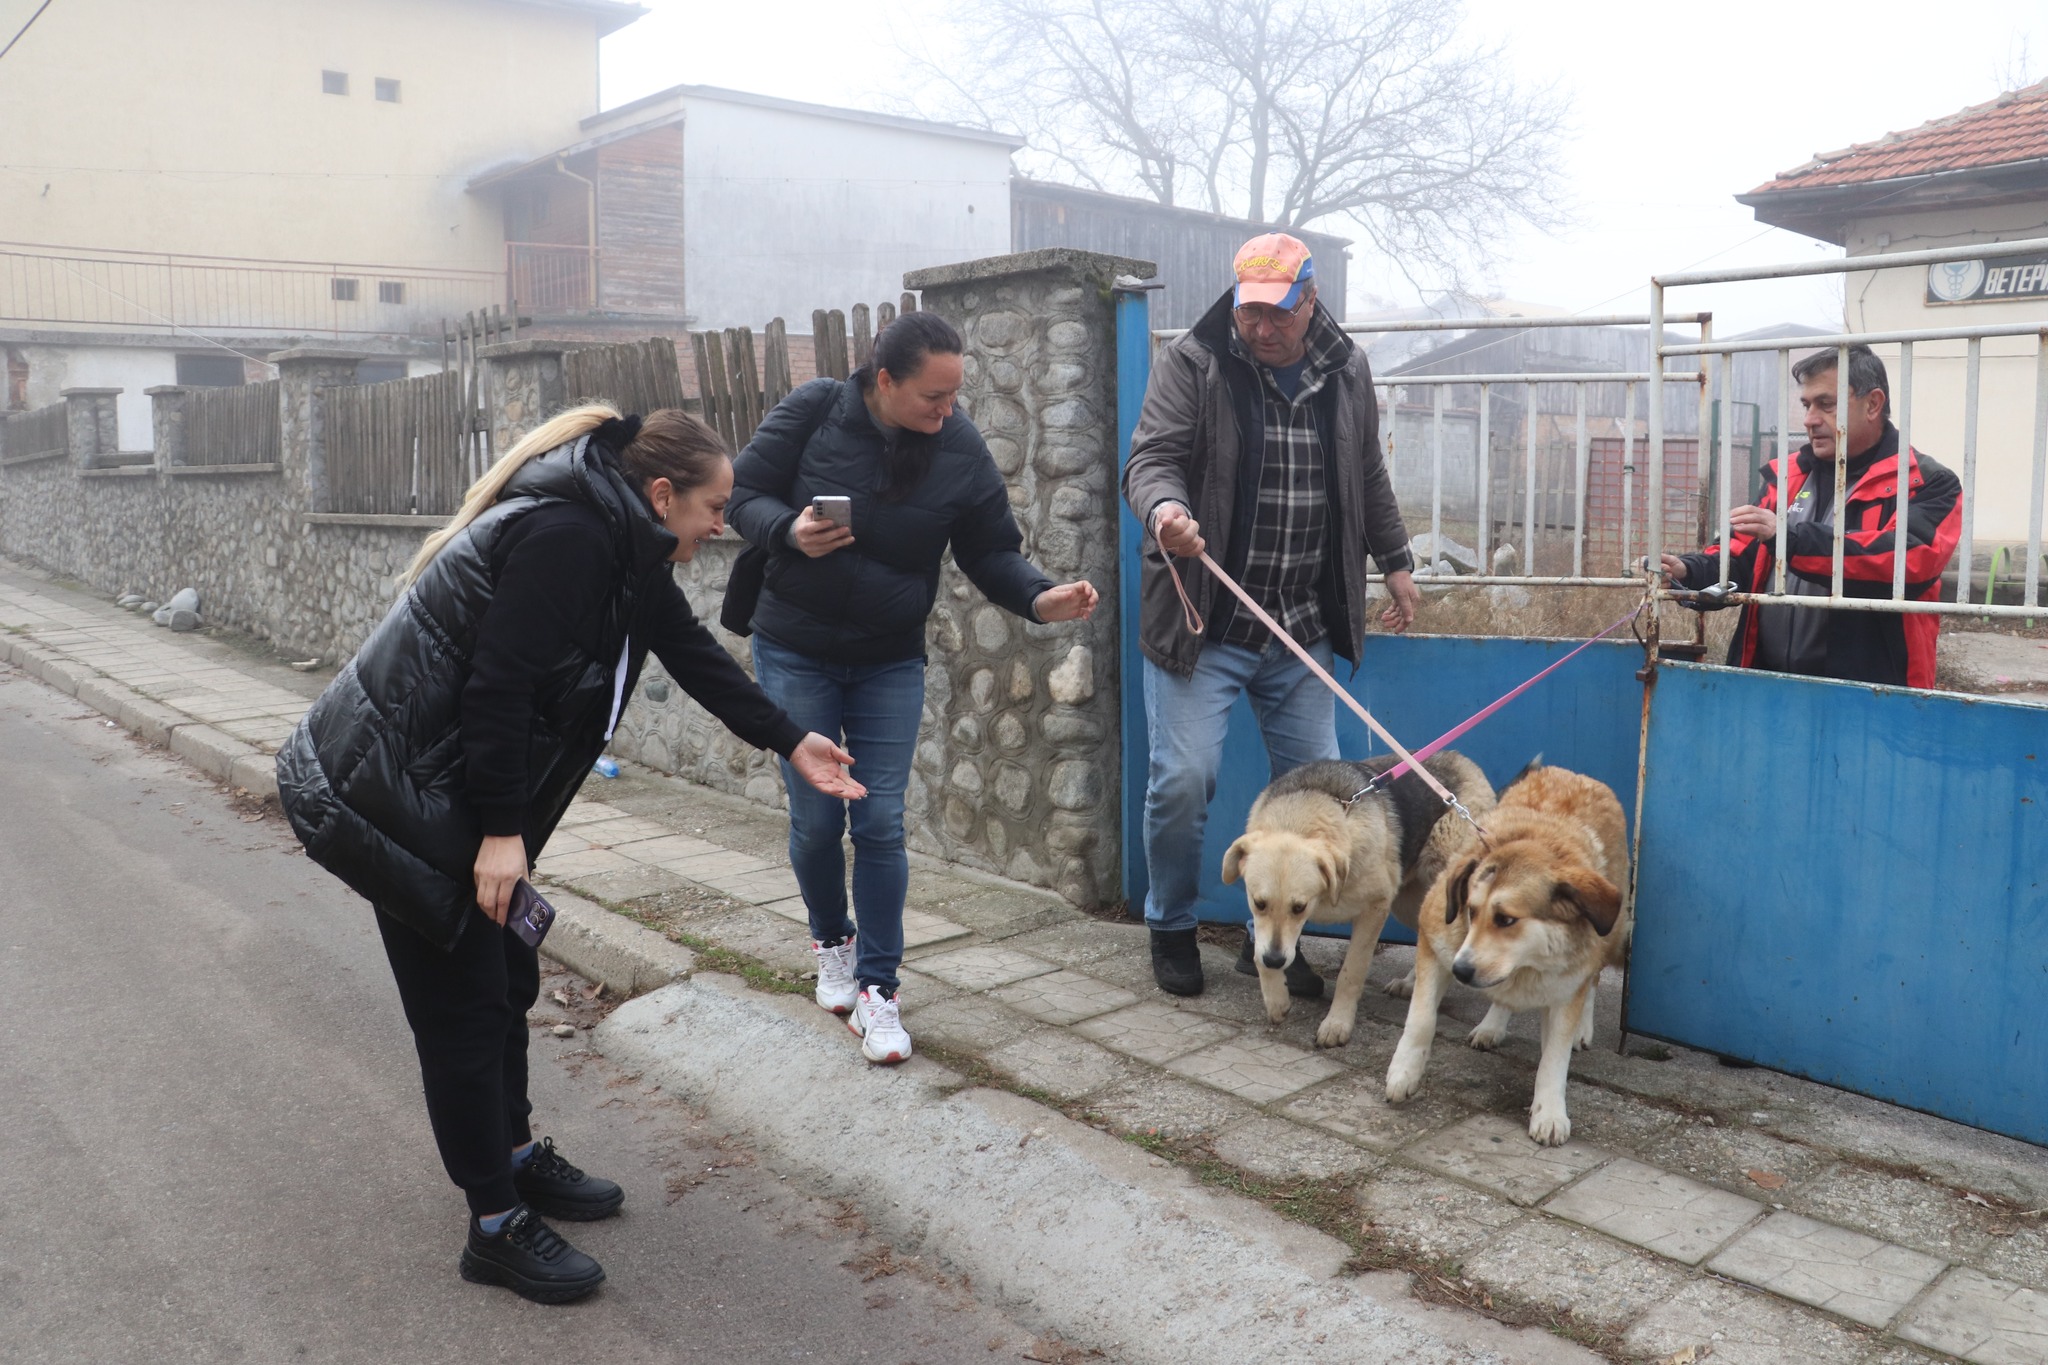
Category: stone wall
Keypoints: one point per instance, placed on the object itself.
(242, 535)
(1017, 768)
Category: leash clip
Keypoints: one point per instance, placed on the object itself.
(1451, 800)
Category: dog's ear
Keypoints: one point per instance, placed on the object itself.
(1457, 878)
(1233, 856)
(1591, 895)
(1335, 868)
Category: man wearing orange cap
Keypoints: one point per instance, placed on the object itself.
(1261, 430)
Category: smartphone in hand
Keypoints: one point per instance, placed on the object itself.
(530, 915)
(837, 510)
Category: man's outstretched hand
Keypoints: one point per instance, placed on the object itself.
(823, 764)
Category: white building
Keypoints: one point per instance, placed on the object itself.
(1980, 175)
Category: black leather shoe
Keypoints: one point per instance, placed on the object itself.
(551, 1186)
(1304, 982)
(1176, 961)
(529, 1258)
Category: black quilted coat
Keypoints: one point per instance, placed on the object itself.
(372, 777)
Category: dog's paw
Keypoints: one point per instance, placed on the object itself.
(1402, 988)
(1333, 1032)
(1491, 1031)
(1550, 1125)
(1583, 1041)
(1404, 1078)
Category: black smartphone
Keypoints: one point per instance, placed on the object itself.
(530, 915)
(837, 510)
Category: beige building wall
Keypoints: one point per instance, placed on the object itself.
(1889, 300)
(200, 126)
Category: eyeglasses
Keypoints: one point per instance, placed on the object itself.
(1252, 314)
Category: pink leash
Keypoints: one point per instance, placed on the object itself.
(1409, 762)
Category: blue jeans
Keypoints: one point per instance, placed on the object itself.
(873, 711)
(1187, 718)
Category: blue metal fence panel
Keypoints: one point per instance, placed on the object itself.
(1133, 374)
(1586, 717)
(1845, 883)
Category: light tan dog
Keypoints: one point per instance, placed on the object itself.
(1315, 849)
(1529, 922)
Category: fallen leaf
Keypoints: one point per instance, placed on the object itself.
(1687, 1356)
(1769, 1180)
(1979, 1200)
(560, 997)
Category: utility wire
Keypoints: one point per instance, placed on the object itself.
(25, 27)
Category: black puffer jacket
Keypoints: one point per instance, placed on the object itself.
(868, 602)
(374, 777)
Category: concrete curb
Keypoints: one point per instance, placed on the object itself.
(1101, 1243)
(628, 958)
(220, 756)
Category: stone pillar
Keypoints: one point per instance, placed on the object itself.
(1019, 768)
(524, 383)
(168, 404)
(302, 372)
(94, 430)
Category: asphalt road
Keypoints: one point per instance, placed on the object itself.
(212, 1146)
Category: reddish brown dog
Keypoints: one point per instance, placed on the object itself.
(1529, 922)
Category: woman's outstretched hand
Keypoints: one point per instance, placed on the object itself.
(500, 863)
(823, 764)
(1067, 602)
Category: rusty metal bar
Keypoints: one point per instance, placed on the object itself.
(1846, 265)
(1903, 506)
(1841, 464)
(1972, 373)
(2040, 470)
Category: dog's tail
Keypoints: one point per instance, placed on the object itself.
(1531, 766)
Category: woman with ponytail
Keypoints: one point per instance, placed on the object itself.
(840, 621)
(431, 772)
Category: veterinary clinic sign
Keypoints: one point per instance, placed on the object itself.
(2014, 277)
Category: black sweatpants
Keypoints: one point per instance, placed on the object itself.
(467, 1008)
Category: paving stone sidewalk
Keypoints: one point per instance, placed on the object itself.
(1766, 1218)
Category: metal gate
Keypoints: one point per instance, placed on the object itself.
(1839, 881)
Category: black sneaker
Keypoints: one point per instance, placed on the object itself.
(1176, 961)
(550, 1185)
(529, 1258)
(1304, 982)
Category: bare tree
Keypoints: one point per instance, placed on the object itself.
(1291, 112)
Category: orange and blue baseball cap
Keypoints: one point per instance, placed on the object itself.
(1273, 268)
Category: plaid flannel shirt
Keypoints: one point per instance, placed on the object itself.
(1290, 536)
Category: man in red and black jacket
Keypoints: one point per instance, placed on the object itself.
(1858, 646)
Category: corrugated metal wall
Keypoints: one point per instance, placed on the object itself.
(1192, 249)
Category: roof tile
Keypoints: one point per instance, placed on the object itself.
(2013, 127)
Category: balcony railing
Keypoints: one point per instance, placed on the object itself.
(74, 288)
(544, 278)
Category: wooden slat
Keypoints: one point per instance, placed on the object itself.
(775, 377)
(821, 342)
(835, 325)
(863, 340)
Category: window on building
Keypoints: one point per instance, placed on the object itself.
(210, 370)
(341, 290)
(379, 371)
(334, 82)
(391, 291)
(387, 90)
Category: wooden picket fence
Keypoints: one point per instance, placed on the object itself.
(239, 425)
(633, 376)
(399, 448)
(42, 431)
(736, 391)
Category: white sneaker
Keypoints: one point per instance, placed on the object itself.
(837, 990)
(876, 1019)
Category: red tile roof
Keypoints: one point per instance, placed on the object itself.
(2013, 127)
